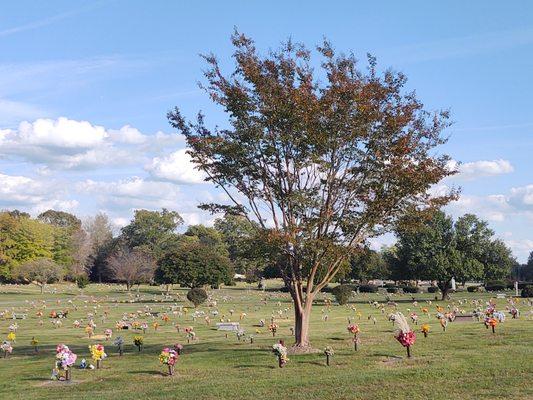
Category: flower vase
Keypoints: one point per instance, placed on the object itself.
(408, 351)
(355, 342)
(327, 360)
(120, 350)
(171, 370)
(98, 364)
(67, 374)
(280, 362)
(425, 334)
(493, 329)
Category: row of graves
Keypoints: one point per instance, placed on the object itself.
(164, 311)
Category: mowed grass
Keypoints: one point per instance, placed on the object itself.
(465, 362)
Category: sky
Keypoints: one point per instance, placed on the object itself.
(85, 87)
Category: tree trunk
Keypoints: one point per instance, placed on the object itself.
(301, 326)
(445, 289)
(42, 288)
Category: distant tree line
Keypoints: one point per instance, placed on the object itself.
(57, 245)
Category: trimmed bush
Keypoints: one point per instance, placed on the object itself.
(197, 296)
(473, 289)
(492, 286)
(82, 281)
(410, 289)
(392, 290)
(433, 289)
(527, 292)
(342, 293)
(368, 289)
(389, 285)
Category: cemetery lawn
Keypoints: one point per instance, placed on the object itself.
(465, 362)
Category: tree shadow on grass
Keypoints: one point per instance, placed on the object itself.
(255, 366)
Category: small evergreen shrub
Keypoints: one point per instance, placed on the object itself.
(433, 289)
(527, 292)
(342, 293)
(197, 296)
(492, 286)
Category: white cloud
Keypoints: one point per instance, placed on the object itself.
(63, 144)
(482, 168)
(32, 195)
(176, 167)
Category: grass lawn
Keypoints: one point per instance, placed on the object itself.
(465, 362)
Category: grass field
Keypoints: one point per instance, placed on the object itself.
(465, 362)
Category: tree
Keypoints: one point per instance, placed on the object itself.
(131, 266)
(100, 235)
(60, 219)
(150, 230)
(40, 272)
(441, 250)
(195, 264)
(320, 161)
(497, 260)
(367, 264)
(81, 251)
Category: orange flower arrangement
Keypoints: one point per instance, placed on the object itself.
(425, 330)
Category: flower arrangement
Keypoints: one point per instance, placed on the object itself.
(328, 351)
(443, 323)
(144, 327)
(273, 327)
(138, 341)
(89, 330)
(12, 337)
(165, 318)
(240, 334)
(65, 359)
(178, 347)
(155, 325)
(169, 357)
(13, 327)
(414, 318)
(35, 343)
(280, 351)
(76, 324)
(6, 348)
(514, 312)
(492, 322)
(404, 334)
(97, 353)
(425, 330)
(108, 334)
(354, 330)
(119, 342)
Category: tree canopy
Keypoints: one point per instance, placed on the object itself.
(321, 158)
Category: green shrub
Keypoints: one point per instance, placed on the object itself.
(492, 286)
(368, 289)
(527, 292)
(389, 285)
(82, 281)
(472, 289)
(342, 293)
(410, 289)
(433, 289)
(197, 296)
(392, 289)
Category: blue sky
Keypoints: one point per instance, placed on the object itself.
(85, 86)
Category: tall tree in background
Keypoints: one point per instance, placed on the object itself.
(131, 266)
(321, 161)
(367, 264)
(240, 235)
(100, 234)
(150, 230)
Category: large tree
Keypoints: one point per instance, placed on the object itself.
(100, 234)
(40, 271)
(194, 264)
(441, 249)
(320, 158)
(150, 230)
(131, 266)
